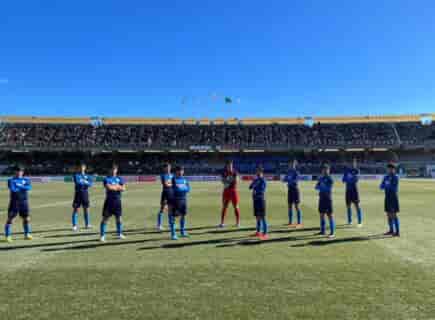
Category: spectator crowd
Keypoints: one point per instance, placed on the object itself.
(141, 137)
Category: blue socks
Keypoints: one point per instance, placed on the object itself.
(322, 225)
(299, 215)
(118, 228)
(172, 226)
(159, 219)
(290, 216)
(86, 217)
(27, 228)
(103, 229)
(264, 225)
(183, 225)
(332, 225)
(258, 225)
(391, 225)
(396, 225)
(349, 215)
(359, 215)
(8, 230)
(75, 218)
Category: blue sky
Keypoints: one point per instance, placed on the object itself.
(280, 58)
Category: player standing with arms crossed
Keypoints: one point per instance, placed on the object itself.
(258, 187)
(324, 186)
(114, 186)
(390, 185)
(230, 193)
(350, 179)
(167, 191)
(19, 186)
(82, 183)
(293, 195)
(178, 203)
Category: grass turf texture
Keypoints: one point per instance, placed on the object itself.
(221, 274)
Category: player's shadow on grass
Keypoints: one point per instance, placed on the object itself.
(255, 241)
(327, 242)
(181, 244)
(42, 231)
(225, 231)
(41, 245)
(289, 230)
(95, 245)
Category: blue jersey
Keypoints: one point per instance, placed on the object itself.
(82, 182)
(166, 178)
(258, 187)
(390, 184)
(350, 178)
(292, 178)
(324, 186)
(19, 188)
(180, 187)
(111, 180)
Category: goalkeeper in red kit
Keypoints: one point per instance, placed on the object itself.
(230, 193)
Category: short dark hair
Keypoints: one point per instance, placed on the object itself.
(260, 169)
(325, 165)
(179, 168)
(18, 167)
(228, 162)
(391, 165)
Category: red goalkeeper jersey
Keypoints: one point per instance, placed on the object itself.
(229, 178)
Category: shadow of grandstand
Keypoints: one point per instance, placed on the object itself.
(326, 242)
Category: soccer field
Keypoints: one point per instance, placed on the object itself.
(221, 274)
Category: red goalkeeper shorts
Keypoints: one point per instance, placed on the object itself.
(231, 195)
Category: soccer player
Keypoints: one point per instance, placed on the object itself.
(230, 193)
(258, 187)
(350, 179)
(293, 197)
(390, 185)
(19, 186)
(178, 203)
(82, 183)
(166, 180)
(324, 186)
(114, 186)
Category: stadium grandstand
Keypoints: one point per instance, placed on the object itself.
(49, 145)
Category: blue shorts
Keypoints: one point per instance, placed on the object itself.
(18, 207)
(325, 205)
(352, 196)
(81, 199)
(178, 207)
(392, 203)
(165, 197)
(293, 196)
(259, 207)
(112, 207)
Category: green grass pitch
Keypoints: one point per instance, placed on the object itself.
(221, 274)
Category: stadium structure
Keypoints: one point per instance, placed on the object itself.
(52, 145)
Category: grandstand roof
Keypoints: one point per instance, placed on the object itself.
(233, 121)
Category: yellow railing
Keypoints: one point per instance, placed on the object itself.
(219, 121)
